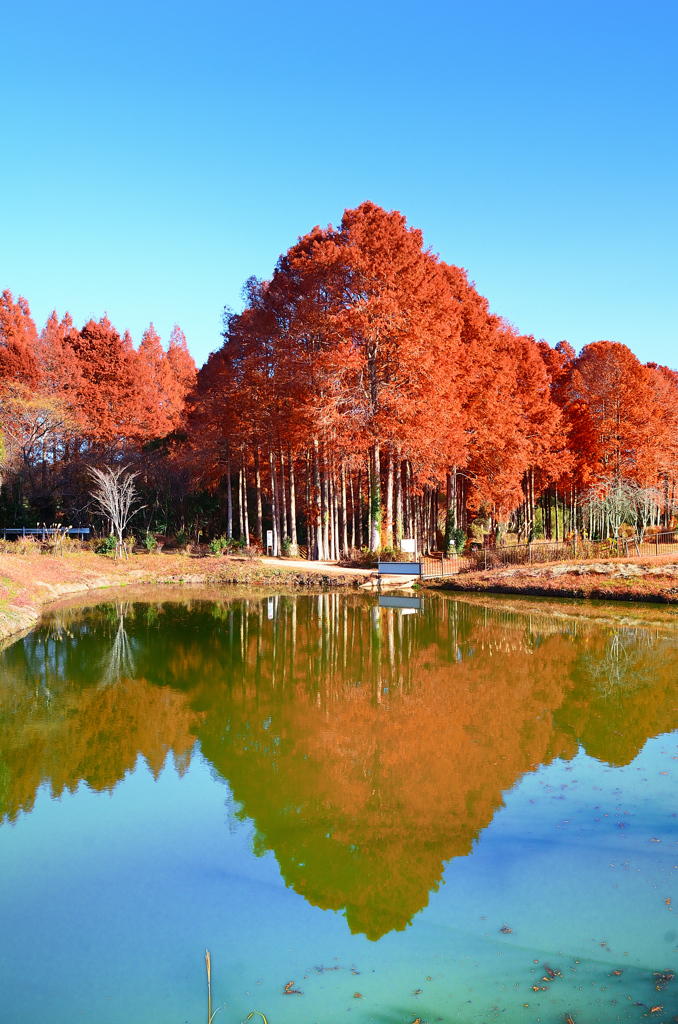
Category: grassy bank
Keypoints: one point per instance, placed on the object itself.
(32, 580)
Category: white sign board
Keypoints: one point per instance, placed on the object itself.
(408, 544)
(269, 541)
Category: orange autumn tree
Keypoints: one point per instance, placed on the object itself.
(71, 397)
(377, 372)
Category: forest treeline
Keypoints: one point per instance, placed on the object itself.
(74, 398)
(364, 394)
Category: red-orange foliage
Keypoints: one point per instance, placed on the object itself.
(70, 397)
(366, 354)
(374, 375)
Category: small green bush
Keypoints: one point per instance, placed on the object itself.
(106, 545)
(459, 540)
(218, 545)
(149, 542)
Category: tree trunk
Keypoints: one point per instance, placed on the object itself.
(317, 500)
(335, 513)
(409, 521)
(398, 502)
(343, 514)
(350, 487)
(246, 516)
(294, 544)
(310, 530)
(240, 504)
(375, 500)
(388, 535)
(283, 496)
(369, 499)
(325, 506)
(416, 501)
(359, 510)
(434, 517)
(451, 512)
(331, 534)
(274, 501)
(257, 484)
(229, 493)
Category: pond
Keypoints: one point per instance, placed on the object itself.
(443, 809)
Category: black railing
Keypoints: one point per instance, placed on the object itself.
(43, 531)
(651, 545)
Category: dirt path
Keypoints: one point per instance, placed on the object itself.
(317, 568)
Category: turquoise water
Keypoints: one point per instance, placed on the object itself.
(352, 799)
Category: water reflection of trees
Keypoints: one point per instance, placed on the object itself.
(70, 711)
(367, 746)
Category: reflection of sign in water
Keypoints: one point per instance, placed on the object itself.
(406, 604)
(270, 607)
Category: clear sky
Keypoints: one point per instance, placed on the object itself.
(158, 154)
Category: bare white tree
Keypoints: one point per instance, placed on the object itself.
(115, 496)
(647, 501)
(612, 502)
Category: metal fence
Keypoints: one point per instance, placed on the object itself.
(660, 543)
(664, 543)
(42, 532)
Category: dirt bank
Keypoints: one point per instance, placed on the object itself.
(31, 581)
(631, 580)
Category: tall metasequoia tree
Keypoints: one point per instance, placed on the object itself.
(611, 400)
(165, 379)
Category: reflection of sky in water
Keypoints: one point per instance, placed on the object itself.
(108, 901)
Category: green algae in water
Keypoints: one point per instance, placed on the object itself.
(465, 812)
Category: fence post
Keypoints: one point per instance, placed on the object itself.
(656, 543)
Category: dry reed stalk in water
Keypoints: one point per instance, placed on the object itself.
(208, 964)
(210, 1015)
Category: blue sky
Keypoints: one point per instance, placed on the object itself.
(158, 154)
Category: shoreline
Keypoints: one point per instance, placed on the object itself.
(641, 580)
(30, 583)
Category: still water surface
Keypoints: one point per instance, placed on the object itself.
(406, 813)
